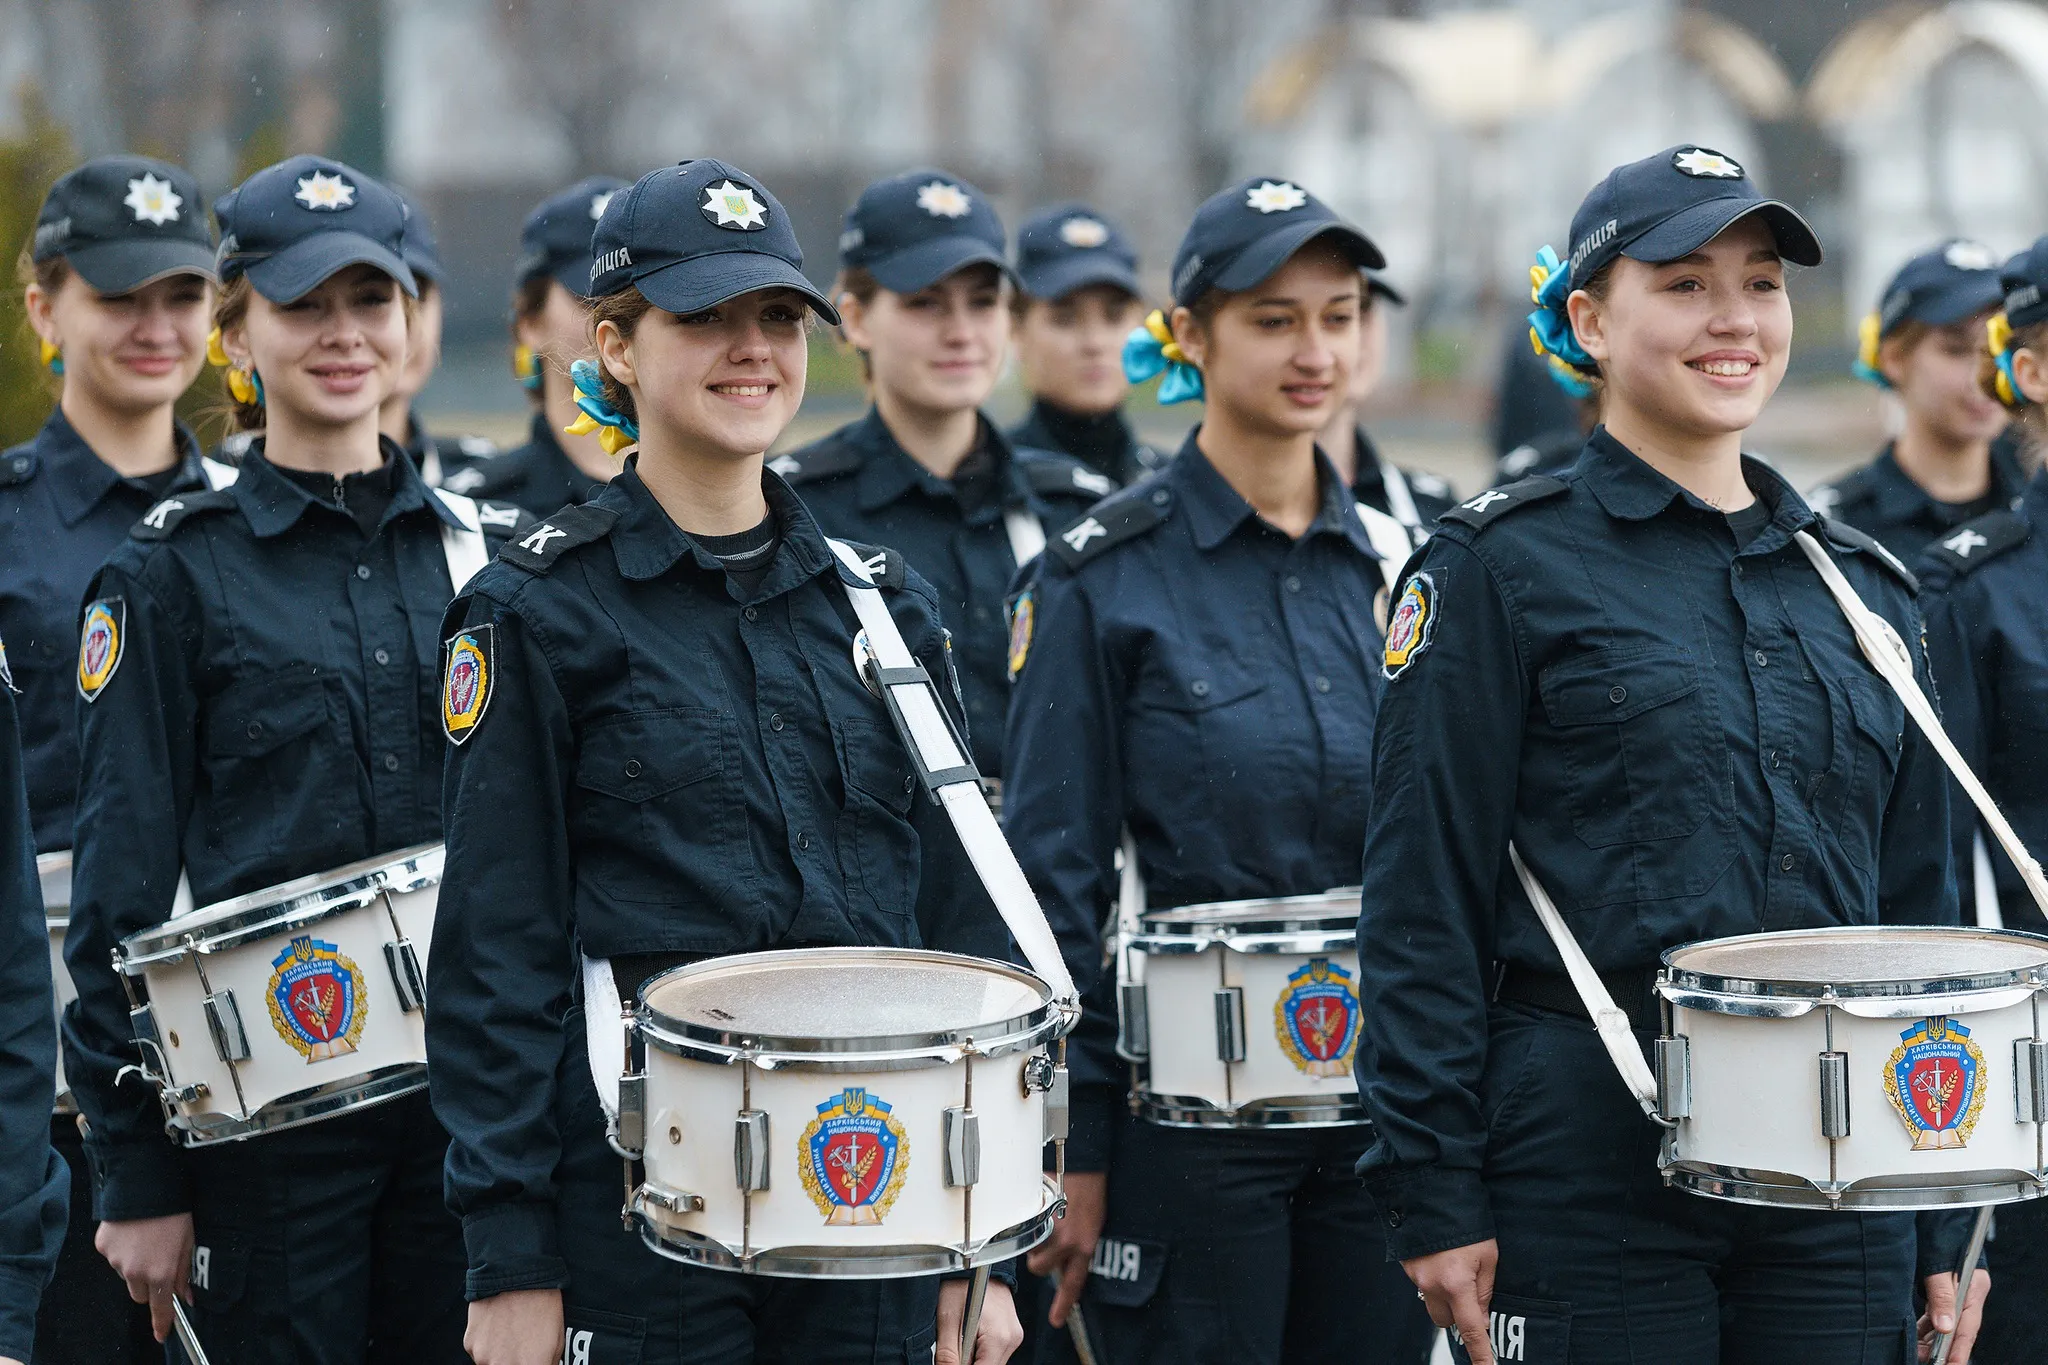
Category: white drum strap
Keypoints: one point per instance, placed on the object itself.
(218, 475)
(430, 465)
(604, 1035)
(1888, 654)
(1984, 883)
(1608, 1018)
(1402, 503)
(1129, 913)
(1027, 537)
(464, 549)
(922, 723)
(1390, 538)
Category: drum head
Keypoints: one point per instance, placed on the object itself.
(299, 901)
(846, 998)
(1872, 960)
(1336, 908)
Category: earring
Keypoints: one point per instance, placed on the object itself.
(53, 358)
(245, 387)
(526, 367)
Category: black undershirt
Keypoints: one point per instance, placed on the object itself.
(746, 556)
(1102, 439)
(1745, 525)
(364, 496)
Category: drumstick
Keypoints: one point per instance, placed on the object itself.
(1077, 1328)
(1963, 1277)
(970, 1326)
(189, 1339)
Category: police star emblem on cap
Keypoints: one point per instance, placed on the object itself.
(1083, 233)
(323, 191)
(1706, 165)
(734, 206)
(599, 203)
(153, 200)
(1268, 197)
(1968, 255)
(942, 200)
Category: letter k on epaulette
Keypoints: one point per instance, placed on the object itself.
(539, 548)
(1495, 503)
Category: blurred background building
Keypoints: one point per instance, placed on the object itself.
(1460, 135)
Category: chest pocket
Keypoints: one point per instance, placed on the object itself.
(658, 814)
(1198, 723)
(1876, 736)
(280, 772)
(878, 847)
(1634, 741)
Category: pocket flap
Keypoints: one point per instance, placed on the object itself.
(256, 715)
(1125, 1272)
(593, 1337)
(1607, 688)
(220, 1272)
(1879, 713)
(877, 764)
(1181, 684)
(1535, 1330)
(646, 754)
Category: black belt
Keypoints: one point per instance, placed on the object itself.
(1634, 991)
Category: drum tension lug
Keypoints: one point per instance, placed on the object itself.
(1134, 1032)
(224, 1022)
(2030, 1079)
(672, 1201)
(406, 977)
(1673, 1055)
(1834, 1094)
(629, 1137)
(750, 1149)
(963, 1147)
(1230, 1024)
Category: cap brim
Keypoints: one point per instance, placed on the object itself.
(706, 281)
(1375, 285)
(1691, 228)
(309, 262)
(1962, 300)
(1258, 261)
(124, 267)
(921, 266)
(1058, 278)
(573, 276)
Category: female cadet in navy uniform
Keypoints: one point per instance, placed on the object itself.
(1411, 497)
(672, 758)
(1947, 465)
(1984, 588)
(1632, 673)
(117, 283)
(441, 460)
(1196, 666)
(920, 288)
(551, 332)
(265, 708)
(1077, 298)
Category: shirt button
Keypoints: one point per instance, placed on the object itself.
(909, 784)
(803, 840)
(1394, 1217)
(1762, 660)
(1787, 863)
(382, 656)
(1617, 695)
(752, 613)
(1738, 568)
(1293, 583)
(1199, 688)
(632, 767)
(1774, 758)
(1159, 498)
(255, 729)
(391, 763)
(1322, 684)
(775, 721)
(362, 571)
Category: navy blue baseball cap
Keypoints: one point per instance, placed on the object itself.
(1247, 232)
(419, 248)
(555, 238)
(124, 221)
(1950, 283)
(2024, 279)
(1672, 204)
(693, 235)
(1069, 247)
(291, 226)
(912, 230)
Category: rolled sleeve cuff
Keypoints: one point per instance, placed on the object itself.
(512, 1247)
(145, 1179)
(1943, 1235)
(1431, 1210)
(19, 1295)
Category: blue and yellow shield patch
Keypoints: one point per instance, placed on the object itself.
(99, 645)
(1412, 626)
(466, 681)
(1023, 618)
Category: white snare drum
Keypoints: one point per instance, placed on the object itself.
(1859, 1068)
(289, 1004)
(845, 1112)
(1245, 1013)
(53, 870)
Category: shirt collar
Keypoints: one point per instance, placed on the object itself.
(1214, 509)
(273, 503)
(647, 543)
(888, 471)
(1631, 490)
(79, 478)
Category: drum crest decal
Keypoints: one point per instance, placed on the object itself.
(1935, 1079)
(316, 999)
(853, 1158)
(466, 683)
(1316, 1018)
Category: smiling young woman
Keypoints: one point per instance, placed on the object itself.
(1632, 673)
(258, 671)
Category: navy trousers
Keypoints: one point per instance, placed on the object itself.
(1602, 1264)
(86, 1316)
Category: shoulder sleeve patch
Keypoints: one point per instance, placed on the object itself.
(1847, 537)
(1495, 503)
(1110, 523)
(161, 520)
(1975, 542)
(1059, 476)
(539, 549)
(815, 462)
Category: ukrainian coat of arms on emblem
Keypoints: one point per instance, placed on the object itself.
(1316, 1018)
(853, 1158)
(1935, 1079)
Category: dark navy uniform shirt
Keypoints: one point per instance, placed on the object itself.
(663, 767)
(1881, 499)
(270, 709)
(34, 1184)
(1431, 495)
(62, 511)
(539, 476)
(860, 484)
(1104, 442)
(1680, 736)
(1198, 676)
(1986, 600)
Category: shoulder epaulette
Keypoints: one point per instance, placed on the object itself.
(1847, 537)
(539, 549)
(814, 462)
(1495, 503)
(1051, 475)
(17, 466)
(885, 568)
(1976, 542)
(159, 521)
(1111, 522)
